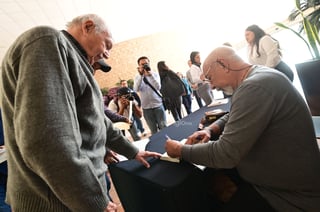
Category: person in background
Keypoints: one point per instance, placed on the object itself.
(268, 138)
(126, 105)
(55, 130)
(196, 76)
(147, 84)
(124, 83)
(186, 99)
(193, 86)
(265, 50)
(4, 207)
(172, 88)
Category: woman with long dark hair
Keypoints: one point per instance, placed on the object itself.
(265, 50)
(172, 88)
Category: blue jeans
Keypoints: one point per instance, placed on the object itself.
(134, 130)
(139, 124)
(155, 118)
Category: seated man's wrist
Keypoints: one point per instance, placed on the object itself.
(213, 136)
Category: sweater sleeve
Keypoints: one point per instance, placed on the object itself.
(236, 139)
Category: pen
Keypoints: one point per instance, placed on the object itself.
(167, 137)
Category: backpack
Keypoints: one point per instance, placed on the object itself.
(172, 86)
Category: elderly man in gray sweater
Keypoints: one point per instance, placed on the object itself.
(54, 124)
(268, 138)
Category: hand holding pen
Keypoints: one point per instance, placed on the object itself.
(173, 147)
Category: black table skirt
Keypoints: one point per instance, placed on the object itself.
(165, 186)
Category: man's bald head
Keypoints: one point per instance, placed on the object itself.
(225, 69)
(225, 56)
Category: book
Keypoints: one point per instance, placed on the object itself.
(166, 157)
(217, 102)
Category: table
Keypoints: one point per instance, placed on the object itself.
(165, 186)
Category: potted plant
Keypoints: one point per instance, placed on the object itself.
(308, 71)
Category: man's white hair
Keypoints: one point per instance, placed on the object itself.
(100, 25)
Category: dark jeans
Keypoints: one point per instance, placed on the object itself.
(187, 102)
(3, 188)
(246, 198)
(198, 98)
(285, 69)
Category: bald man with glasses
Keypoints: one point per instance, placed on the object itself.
(267, 139)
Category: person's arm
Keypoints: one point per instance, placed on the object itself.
(271, 49)
(241, 132)
(120, 144)
(154, 80)
(137, 83)
(217, 127)
(113, 116)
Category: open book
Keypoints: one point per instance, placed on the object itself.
(217, 102)
(166, 157)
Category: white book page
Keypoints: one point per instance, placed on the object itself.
(166, 157)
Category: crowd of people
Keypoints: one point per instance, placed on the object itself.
(60, 136)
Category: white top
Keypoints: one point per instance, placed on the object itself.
(195, 73)
(269, 53)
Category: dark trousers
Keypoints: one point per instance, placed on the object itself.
(198, 98)
(187, 102)
(285, 69)
(4, 207)
(245, 198)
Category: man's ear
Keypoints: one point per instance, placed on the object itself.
(87, 26)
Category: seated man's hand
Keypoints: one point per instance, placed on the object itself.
(173, 148)
(144, 154)
(202, 136)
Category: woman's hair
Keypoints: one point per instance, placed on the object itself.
(100, 25)
(258, 34)
(193, 55)
(162, 66)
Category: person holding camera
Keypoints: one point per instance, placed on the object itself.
(126, 105)
(147, 84)
(124, 83)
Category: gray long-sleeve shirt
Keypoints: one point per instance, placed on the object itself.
(270, 139)
(55, 129)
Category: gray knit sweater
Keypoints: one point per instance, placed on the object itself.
(55, 128)
(270, 139)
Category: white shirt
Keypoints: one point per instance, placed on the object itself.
(195, 73)
(269, 53)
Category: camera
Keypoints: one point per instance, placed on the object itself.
(129, 97)
(126, 93)
(146, 67)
